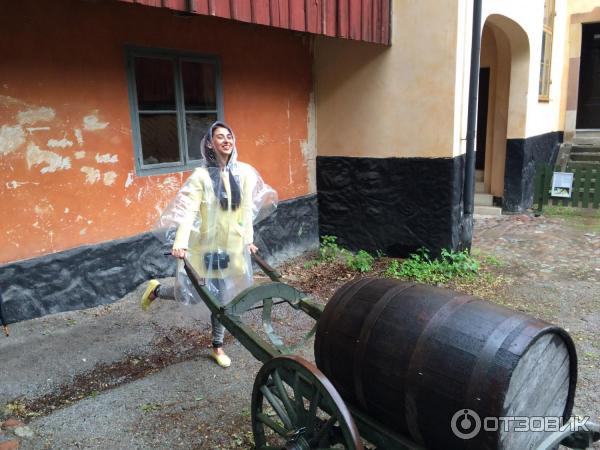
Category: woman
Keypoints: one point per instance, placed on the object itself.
(214, 211)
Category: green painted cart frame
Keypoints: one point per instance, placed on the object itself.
(292, 401)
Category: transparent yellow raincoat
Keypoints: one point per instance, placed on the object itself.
(212, 217)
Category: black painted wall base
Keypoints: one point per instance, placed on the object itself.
(291, 230)
(522, 156)
(99, 274)
(395, 205)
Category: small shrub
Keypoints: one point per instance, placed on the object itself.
(393, 271)
(460, 264)
(361, 262)
(329, 249)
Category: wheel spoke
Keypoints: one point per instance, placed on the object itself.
(325, 429)
(276, 404)
(312, 413)
(272, 425)
(299, 398)
(283, 396)
(295, 406)
(296, 388)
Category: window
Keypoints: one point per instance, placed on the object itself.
(174, 97)
(544, 90)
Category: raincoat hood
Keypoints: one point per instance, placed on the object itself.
(209, 157)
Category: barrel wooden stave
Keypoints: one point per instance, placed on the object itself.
(412, 355)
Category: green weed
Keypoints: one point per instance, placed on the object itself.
(149, 407)
(329, 250)
(422, 268)
(362, 261)
(492, 260)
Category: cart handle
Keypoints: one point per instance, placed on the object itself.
(266, 268)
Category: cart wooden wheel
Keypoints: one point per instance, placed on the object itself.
(295, 407)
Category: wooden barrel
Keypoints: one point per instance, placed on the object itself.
(414, 356)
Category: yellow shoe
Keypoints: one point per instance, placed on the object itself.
(222, 360)
(148, 296)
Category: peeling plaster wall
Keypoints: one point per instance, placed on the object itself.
(67, 172)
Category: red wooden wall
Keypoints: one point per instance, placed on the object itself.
(363, 20)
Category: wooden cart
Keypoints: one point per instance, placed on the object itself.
(294, 405)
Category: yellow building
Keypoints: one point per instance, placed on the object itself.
(392, 122)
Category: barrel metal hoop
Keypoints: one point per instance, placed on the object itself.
(487, 356)
(412, 375)
(365, 335)
(340, 298)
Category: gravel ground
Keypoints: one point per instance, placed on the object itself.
(552, 271)
(115, 377)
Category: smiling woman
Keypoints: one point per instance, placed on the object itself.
(214, 214)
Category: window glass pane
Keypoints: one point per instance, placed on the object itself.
(543, 74)
(199, 85)
(544, 88)
(159, 138)
(155, 84)
(196, 126)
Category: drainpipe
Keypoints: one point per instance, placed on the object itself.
(469, 182)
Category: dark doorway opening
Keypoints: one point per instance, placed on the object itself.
(482, 113)
(588, 104)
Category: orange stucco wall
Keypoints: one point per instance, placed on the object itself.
(67, 173)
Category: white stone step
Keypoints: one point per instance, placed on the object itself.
(479, 175)
(484, 199)
(479, 187)
(589, 137)
(487, 210)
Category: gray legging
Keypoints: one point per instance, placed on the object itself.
(217, 287)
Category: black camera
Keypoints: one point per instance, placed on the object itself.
(216, 260)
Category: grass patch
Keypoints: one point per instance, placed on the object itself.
(331, 252)
(569, 211)
(422, 268)
(585, 219)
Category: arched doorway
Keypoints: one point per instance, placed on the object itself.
(505, 74)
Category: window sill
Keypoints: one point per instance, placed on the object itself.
(164, 170)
